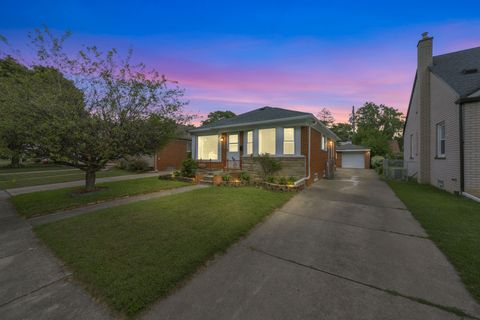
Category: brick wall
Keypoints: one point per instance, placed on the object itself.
(338, 160)
(172, 155)
(291, 167)
(367, 159)
(471, 147)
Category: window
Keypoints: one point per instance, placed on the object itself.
(208, 147)
(288, 141)
(250, 142)
(266, 141)
(324, 143)
(411, 146)
(441, 140)
(233, 142)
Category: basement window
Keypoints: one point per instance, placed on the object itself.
(441, 140)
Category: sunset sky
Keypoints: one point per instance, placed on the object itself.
(301, 55)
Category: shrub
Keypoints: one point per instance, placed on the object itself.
(226, 177)
(268, 164)
(138, 165)
(271, 179)
(282, 181)
(176, 173)
(377, 161)
(291, 180)
(189, 167)
(245, 177)
(122, 164)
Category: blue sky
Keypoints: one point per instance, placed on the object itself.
(240, 55)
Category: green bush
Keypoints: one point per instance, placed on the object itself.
(291, 180)
(271, 179)
(138, 165)
(268, 164)
(377, 161)
(176, 173)
(283, 181)
(189, 167)
(226, 177)
(245, 177)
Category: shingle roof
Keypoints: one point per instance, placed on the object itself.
(451, 68)
(350, 146)
(257, 115)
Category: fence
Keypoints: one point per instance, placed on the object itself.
(394, 169)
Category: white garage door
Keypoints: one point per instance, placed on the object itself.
(353, 160)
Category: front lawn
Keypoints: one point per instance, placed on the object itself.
(17, 178)
(452, 222)
(132, 255)
(43, 202)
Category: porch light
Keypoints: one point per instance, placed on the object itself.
(221, 139)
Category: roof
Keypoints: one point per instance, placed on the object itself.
(263, 115)
(457, 69)
(257, 115)
(351, 147)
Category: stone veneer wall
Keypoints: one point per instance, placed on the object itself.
(291, 166)
(471, 148)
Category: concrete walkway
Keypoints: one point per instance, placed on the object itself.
(342, 249)
(109, 204)
(54, 186)
(33, 283)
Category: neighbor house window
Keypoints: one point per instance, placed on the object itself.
(266, 141)
(411, 146)
(288, 141)
(233, 142)
(250, 142)
(441, 140)
(207, 147)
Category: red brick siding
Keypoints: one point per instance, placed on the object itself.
(172, 155)
(367, 159)
(319, 157)
(338, 161)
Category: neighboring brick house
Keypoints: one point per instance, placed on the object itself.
(298, 139)
(353, 156)
(171, 156)
(442, 131)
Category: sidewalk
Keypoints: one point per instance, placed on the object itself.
(109, 204)
(55, 186)
(33, 283)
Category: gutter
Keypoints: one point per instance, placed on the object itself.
(298, 182)
(462, 167)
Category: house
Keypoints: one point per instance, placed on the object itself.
(442, 129)
(352, 156)
(297, 139)
(171, 156)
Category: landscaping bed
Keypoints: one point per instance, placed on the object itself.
(44, 202)
(452, 222)
(132, 255)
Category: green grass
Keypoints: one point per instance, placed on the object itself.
(28, 167)
(132, 255)
(19, 178)
(452, 222)
(39, 203)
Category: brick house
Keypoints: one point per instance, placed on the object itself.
(352, 156)
(171, 156)
(298, 139)
(442, 130)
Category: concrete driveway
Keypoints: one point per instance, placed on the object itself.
(342, 249)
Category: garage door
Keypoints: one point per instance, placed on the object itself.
(353, 160)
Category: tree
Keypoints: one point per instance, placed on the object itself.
(218, 115)
(124, 110)
(343, 131)
(376, 126)
(325, 116)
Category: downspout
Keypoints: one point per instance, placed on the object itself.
(298, 182)
(462, 168)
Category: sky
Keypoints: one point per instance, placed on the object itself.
(242, 55)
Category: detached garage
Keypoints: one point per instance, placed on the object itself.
(353, 157)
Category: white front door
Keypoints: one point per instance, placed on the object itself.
(233, 151)
(353, 160)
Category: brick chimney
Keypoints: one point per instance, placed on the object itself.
(424, 60)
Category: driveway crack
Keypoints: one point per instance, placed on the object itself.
(449, 309)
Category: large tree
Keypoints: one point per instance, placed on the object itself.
(218, 115)
(376, 126)
(343, 131)
(325, 116)
(124, 110)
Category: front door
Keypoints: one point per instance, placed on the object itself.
(233, 151)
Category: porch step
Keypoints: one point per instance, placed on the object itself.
(207, 179)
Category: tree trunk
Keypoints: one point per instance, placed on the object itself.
(90, 180)
(15, 161)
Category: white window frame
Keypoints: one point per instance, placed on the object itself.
(441, 134)
(290, 141)
(324, 143)
(200, 145)
(261, 148)
(233, 146)
(250, 142)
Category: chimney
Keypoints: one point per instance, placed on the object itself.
(424, 60)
